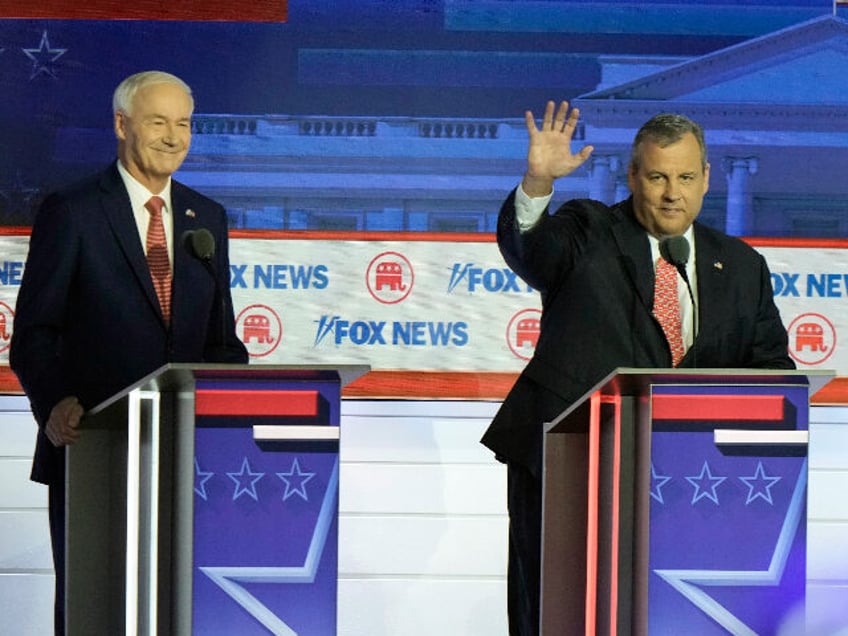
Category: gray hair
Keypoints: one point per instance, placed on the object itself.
(124, 94)
(664, 130)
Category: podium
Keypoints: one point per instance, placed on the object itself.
(674, 502)
(204, 499)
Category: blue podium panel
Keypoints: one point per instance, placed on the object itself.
(265, 507)
(727, 522)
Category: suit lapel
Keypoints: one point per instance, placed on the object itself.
(632, 241)
(710, 269)
(709, 265)
(182, 223)
(117, 208)
(185, 219)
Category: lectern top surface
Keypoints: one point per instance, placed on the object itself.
(182, 376)
(630, 382)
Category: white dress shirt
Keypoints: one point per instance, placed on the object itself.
(139, 195)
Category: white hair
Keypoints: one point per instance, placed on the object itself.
(124, 94)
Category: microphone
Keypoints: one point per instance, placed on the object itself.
(675, 250)
(200, 244)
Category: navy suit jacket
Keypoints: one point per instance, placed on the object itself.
(592, 265)
(87, 319)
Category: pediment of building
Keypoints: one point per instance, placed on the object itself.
(800, 71)
(806, 64)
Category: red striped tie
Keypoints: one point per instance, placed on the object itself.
(157, 256)
(667, 308)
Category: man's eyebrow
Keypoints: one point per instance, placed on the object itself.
(161, 116)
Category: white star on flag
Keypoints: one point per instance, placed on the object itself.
(43, 57)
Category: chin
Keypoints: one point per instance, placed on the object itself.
(167, 171)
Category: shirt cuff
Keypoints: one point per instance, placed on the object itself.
(528, 210)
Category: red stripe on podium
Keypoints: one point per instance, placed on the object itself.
(241, 402)
(593, 505)
(763, 408)
(615, 525)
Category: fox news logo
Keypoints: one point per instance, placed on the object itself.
(788, 284)
(381, 332)
(493, 280)
(279, 276)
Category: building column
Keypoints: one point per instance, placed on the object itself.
(622, 189)
(740, 202)
(602, 181)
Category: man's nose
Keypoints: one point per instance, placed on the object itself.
(171, 136)
(672, 191)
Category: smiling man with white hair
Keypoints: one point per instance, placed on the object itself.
(108, 293)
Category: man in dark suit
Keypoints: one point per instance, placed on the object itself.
(595, 269)
(96, 310)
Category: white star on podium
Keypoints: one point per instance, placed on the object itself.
(230, 579)
(200, 479)
(242, 478)
(759, 485)
(687, 582)
(708, 491)
(657, 482)
(295, 481)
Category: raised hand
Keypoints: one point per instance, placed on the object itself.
(549, 155)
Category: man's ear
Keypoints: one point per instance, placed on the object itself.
(120, 125)
(631, 176)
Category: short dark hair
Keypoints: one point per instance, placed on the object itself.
(665, 129)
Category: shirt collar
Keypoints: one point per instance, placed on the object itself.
(689, 235)
(139, 195)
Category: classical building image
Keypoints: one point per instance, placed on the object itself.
(773, 107)
(775, 112)
(362, 150)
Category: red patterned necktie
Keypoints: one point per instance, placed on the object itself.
(157, 256)
(667, 307)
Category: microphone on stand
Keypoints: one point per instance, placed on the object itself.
(675, 250)
(201, 245)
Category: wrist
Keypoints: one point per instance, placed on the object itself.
(537, 186)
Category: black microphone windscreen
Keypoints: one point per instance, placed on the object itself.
(200, 243)
(675, 250)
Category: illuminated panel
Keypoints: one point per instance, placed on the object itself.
(592, 514)
(765, 408)
(616, 518)
(256, 402)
